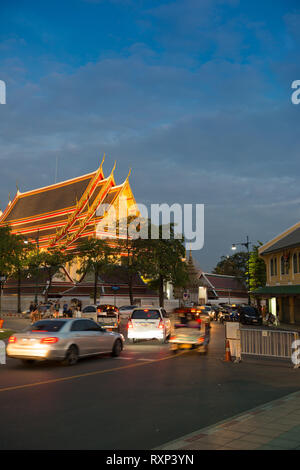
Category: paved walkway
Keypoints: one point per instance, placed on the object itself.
(273, 426)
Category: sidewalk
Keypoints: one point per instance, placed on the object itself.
(273, 426)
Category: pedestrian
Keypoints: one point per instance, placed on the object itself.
(56, 310)
(65, 309)
(51, 310)
(77, 313)
(34, 314)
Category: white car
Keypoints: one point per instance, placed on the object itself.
(126, 310)
(149, 323)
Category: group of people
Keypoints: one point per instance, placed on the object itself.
(53, 310)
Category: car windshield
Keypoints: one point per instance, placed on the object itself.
(89, 309)
(145, 315)
(47, 326)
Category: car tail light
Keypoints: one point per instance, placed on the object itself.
(161, 325)
(12, 339)
(49, 340)
(129, 324)
(172, 337)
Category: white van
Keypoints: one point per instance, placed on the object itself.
(149, 323)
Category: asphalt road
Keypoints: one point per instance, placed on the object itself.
(141, 400)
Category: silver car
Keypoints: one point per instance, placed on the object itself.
(64, 340)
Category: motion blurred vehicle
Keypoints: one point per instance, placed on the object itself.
(149, 323)
(190, 336)
(126, 310)
(228, 313)
(106, 315)
(65, 340)
(208, 311)
(249, 315)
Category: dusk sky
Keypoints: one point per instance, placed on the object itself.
(193, 95)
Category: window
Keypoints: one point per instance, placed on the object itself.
(50, 326)
(272, 267)
(282, 270)
(89, 309)
(145, 315)
(85, 325)
(275, 266)
(295, 263)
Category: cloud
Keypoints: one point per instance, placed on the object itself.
(203, 118)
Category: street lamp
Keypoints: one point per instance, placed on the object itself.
(246, 245)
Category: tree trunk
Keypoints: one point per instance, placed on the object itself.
(161, 291)
(19, 291)
(95, 286)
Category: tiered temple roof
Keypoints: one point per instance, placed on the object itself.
(60, 214)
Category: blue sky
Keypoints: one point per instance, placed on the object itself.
(194, 95)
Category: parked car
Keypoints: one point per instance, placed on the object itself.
(64, 340)
(149, 323)
(126, 310)
(249, 315)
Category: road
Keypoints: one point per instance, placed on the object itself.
(143, 399)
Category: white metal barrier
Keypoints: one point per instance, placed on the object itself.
(270, 343)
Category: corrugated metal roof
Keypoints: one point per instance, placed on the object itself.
(289, 241)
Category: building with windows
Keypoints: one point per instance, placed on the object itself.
(282, 291)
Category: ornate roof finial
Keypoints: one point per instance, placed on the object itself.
(18, 189)
(129, 173)
(114, 167)
(9, 199)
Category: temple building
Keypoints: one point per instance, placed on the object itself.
(59, 216)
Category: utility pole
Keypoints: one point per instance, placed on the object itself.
(246, 245)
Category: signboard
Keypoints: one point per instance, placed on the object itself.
(232, 330)
(115, 288)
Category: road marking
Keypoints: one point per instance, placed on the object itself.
(124, 358)
(87, 374)
(144, 359)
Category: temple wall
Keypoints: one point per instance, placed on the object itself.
(9, 302)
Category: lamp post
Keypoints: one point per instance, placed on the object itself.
(246, 245)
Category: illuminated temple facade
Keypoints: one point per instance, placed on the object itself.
(61, 215)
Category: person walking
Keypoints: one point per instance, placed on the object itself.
(34, 314)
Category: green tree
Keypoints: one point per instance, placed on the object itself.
(96, 257)
(20, 266)
(51, 261)
(257, 268)
(10, 246)
(130, 252)
(234, 265)
(163, 261)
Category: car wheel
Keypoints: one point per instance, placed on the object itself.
(117, 348)
(72, 356)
